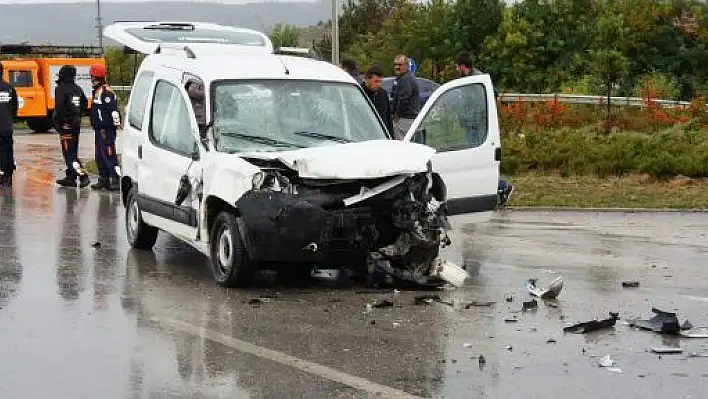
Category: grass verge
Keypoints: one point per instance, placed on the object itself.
(631, 191)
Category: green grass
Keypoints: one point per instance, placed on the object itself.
(631, 191)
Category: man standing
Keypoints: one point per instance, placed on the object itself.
(350, 66)
(70, 102)
(406, 97)
(378, 95)
(8, 112)
(466, 67)
(105, 121)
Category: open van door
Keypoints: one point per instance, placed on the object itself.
(146, 37)
(460, 121)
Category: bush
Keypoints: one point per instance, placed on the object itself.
(677, 150)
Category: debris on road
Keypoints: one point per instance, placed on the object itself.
(466, 345)
(593, 325)
(528, 305)
(96, 244)
(664, 350)
(662, 322)
(607, 362)
(700, 332)
(686, 325)
(451, 273)
(428, 299)
(551, 341)
(630, 284)
(480, 304)
(512, 319)
(551, 292)
(383, 303)
(509, 298)
(696, 354)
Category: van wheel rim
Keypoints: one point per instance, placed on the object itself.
(133, 218)
(225, 253)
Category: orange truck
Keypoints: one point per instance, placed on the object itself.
(33, 70)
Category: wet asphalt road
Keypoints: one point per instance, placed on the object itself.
(83, 322)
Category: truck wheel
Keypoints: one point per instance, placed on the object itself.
(40, 125)
(229, 258)
(140, 235)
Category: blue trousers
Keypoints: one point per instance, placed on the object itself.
(106, 157)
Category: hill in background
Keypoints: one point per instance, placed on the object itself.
(74, 23)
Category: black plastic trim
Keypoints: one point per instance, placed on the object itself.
(458, 206)
(164, 209)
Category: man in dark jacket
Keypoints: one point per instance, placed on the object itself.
(70, 101)
(8, 113)
(350, 66)
(105, 121)
(406, 97)
(378, 95)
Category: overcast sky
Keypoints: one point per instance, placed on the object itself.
(147, 1)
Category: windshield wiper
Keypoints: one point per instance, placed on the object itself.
(261, 139)
(322, 136)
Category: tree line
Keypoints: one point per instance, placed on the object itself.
(617, 47)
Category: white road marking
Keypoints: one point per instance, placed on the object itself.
(287, 360)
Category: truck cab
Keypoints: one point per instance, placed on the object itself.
(284, 160)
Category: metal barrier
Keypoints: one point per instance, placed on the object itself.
(563, 98)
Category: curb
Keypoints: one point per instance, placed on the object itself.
(593, 209)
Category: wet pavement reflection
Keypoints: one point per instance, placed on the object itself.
(83, 316)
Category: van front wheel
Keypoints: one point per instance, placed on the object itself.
(230, 263)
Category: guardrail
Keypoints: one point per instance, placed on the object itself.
(563, 98)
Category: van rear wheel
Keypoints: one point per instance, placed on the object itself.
(40, 125)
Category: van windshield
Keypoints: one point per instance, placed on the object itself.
(276, 115)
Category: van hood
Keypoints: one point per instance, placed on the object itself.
(363, 160)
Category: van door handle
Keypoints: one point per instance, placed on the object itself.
(140, 152)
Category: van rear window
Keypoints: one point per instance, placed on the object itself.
(171, 35)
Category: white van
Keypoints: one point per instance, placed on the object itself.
(293, 167)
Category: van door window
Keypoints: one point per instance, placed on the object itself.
(458, 119)
(170, 127)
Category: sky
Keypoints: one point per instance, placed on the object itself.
(146, 1)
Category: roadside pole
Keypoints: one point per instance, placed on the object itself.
(335, 32)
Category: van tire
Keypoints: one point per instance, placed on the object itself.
(140, 235)
(230, 263)
(40, 125)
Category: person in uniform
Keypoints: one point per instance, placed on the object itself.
(8, 113)
(70, 102)
(105, 121)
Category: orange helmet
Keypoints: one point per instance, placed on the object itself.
(98, 71)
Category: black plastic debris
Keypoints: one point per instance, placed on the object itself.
(662, 322)
(512, 319)
(687, 325)
(551, 341)
(630, 284)
(593, 325)
(528, 305)
(383, 303)
(509, 298)
(96, 244)
(479, 304)
(256, 301)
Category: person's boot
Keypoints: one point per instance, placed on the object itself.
(5, 181)
(114, 184)
(67, 182)
(84, 181)
(100, 184)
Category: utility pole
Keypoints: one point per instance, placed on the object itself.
(99, 24)
(335, 32)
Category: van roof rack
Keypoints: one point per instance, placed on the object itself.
(26, 49)
(186, 49)
(294, 51)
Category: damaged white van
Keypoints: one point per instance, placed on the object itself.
(263, 160)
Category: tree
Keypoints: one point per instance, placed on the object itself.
(284, 35)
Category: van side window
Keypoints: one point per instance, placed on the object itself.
(138, 100)
(170, 125)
